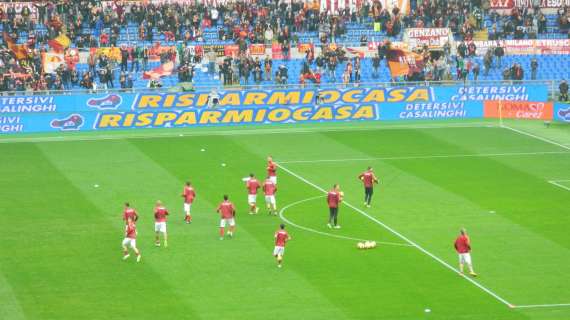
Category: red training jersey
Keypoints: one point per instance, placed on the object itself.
(269, 188)
(271, 168)
(333, 199)
(281, 237)
(131, 231)
(252, 186)
(189, 194)
(226, 210)
(367, 178)
(462, 244)
(160, 214)
(130, 213)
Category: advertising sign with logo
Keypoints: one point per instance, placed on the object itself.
(518, 110)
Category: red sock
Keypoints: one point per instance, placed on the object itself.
(189, 218)
(221, 231)
(126, 252)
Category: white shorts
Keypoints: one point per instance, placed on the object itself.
(273, 179)
(187, 207)
(270, 200)
(251, 198)
(160, 227)
(128, 242)
(230, 221)
(279, 251)
(464, 258)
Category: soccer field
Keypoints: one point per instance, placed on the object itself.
(509, 186)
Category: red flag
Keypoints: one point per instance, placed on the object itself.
(403, 62)
(59, 43)
(163, 70)
(19, 50)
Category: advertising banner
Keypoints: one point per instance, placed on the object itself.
(526, 47)
(431, 110)
(562, 112)
(44, 113)
(432, 37)
(543, 4)
(518, 110)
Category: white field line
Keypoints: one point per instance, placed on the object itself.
(555, 182)
(528, 306)
(474, 155)
(537, 137)
(401, 236)
(258, 131)
(282, 216)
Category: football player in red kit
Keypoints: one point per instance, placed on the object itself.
(130, 240)
(189, 194)
(463, 247)
(281, 238)
(252, 185)
(160, 213)
(269, 189)
(227, 212)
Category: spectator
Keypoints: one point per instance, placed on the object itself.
(499, 53)
(475, 71)
(267, 63)
(533, 68)
(563, 89)
(375, 65)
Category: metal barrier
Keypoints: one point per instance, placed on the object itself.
(552, 85)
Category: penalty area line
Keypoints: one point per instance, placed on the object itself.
(401, 236)
(282, 216)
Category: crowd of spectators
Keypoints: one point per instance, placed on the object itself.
(92, 23)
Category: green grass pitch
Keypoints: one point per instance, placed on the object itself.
(60, 255)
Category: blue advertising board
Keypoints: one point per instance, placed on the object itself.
(83, 111)
(562, 112)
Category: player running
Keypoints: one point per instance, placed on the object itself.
(281, 238)
(463, 247)
(334, 197)
(130, 213)
(189, 195)
(271, 169)
(269, 189)
(130, 240)
(252, 186)
(160, 213)
(227, 211)
(369, 179)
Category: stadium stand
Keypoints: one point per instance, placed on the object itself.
(174, 42)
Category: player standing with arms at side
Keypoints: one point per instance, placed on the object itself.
(189, 195)
(369, 179)
(463, 247)
(130, 213)
(252, 186)
(160, 213)
(281, 238)
(271, 169)
(130, 240)
(334, 197)
(227, 211)
(269, 189)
